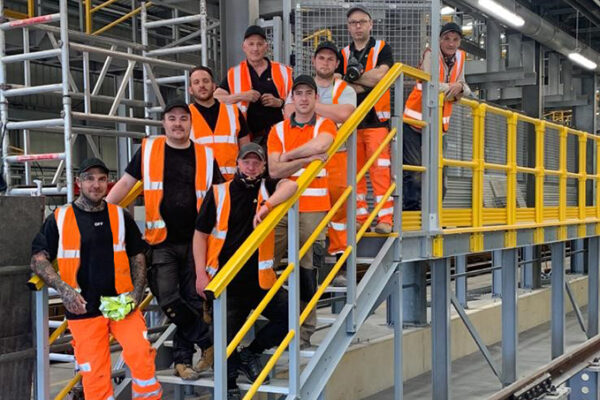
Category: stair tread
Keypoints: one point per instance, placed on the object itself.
(278, 386)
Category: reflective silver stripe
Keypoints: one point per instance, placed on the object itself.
(322, 173)
(413, 114)
(119, 247)
(228, 170)
(318, 124)
(210, 162)
(232, 122)
(267, 264)
(362, 211)
(148, 184)
(85, 367)
(60, 222)
(159, 224)
(313, 192)
(279, 130)
(336, 86)
(144, 382)
(219, 234)
(216, 139)
(121, 236)
(419, 86)
(459, 63)
(204, 140)
(376, 50)
(286, 79)
(385, 211)
(61, 253)
(384, 114)
(221, 195)
(446, 120)
(211, 271)
(263, 190)
(237, 79)
(337, 226)
(346, 53)
(137, 395)
(110, 398)
(200, 194)
(361, 197)
(383, 162)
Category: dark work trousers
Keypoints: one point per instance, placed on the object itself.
(411, 180)
(239, 304)
(172, 279)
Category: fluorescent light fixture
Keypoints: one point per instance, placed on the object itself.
(447, 10)
(583, 61)
(502, 12)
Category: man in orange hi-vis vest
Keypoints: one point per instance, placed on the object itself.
(337, 101)
(293, 144)
(100, 252)
(228, 216)
(257, 85)
(176, 173)
(454, 86)
(364, 63)
(220, 126)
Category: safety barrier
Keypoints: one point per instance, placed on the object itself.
(90, 10)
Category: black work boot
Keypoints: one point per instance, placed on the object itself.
(250, 365)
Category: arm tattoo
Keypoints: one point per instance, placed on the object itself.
(137, 265)
(40, 264)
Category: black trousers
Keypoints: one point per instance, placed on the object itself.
(239, 304)
(172, 279)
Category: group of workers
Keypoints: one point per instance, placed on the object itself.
(206, 187)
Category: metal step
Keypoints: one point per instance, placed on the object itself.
(276, 386)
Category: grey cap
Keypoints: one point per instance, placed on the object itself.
(252, 148)
(92, 163)
(358, 8)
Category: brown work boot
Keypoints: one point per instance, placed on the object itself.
(383, 227)
(206, 361)
(186, 372)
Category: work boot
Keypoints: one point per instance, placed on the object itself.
(186, 372)
(383, 227)
(250, 365)
(206, 361)
(234, 394)
(340, 280)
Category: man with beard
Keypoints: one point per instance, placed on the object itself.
(220, 126)
(177, 173)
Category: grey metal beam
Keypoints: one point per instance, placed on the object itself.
(497, 274)
(509, 316)
(577, 256)
(398, 335)
(440, 329)
(593, 286)
(531, 268)
(461, 281)
(558, 299)
(415, 291)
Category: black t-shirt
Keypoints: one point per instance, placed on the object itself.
(211, 115)
(260, 118)
(385, 58)
(96, 274)
(243, 208)
(178, 206)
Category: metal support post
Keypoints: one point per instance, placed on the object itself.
(461, 281)
(42, 366)
(397, 320)
(496, 274)
(26, 82)
(294, 300)
(287, 31)
(531, 270)
(220, 345)
(3, 104)
(509, 316)
(440, 329)
(577, 256)
(351, 231)
(593, 285)
(586, 384)
(203, 40)
(64, 58)
(415, 293)
(558, 298)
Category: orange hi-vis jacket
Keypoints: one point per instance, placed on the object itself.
(316, 197)
(338, 88)
(223, 140)
(216, 239)
(153, 166)
(69, 247)
(238, 79)
(414, 103)
(383, 106)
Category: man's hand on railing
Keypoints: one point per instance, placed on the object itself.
(202, 281)
(262, 212)
(72, 300)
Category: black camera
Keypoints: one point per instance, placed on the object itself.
(354, 70)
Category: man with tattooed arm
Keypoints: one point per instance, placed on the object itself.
(100, 252)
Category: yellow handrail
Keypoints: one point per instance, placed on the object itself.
(89, 11)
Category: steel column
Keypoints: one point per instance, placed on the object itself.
(593, 285)
(558, 299)
(294, 301)
(42, 365)
(351, 230)
(461, 281)
(397, 320)
(509, 316)
(440, 329)
(64, 59)
(586, 384)
(496, 274)
(531, 270)
(220, 346)
(414, 303)
(577, 256)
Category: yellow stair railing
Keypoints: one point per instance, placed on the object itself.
(90, 10)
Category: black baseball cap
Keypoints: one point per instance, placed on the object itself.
(451, 27)
(304, 80)
(329, 45)
(358, 8)
(92, 163)
(255, 30)
(176, 103)
(252, 148)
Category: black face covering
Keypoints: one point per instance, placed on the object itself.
(250, 183)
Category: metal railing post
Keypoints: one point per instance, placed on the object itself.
(42, 364)
(351, 228)
(144, 34)
(3, 104)
(220, 345)
(64, 58)
(294, 300)
(203, 40)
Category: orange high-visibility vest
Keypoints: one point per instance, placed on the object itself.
(238, 79)
(383, 106)
(153, 166)
(69, 247)
(223, 140)
(316, 196)
(413, 108)
(338, 88)
(216, 239)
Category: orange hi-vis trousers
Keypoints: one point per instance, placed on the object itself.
(92, 352)
(336, 179)
(367, 141)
